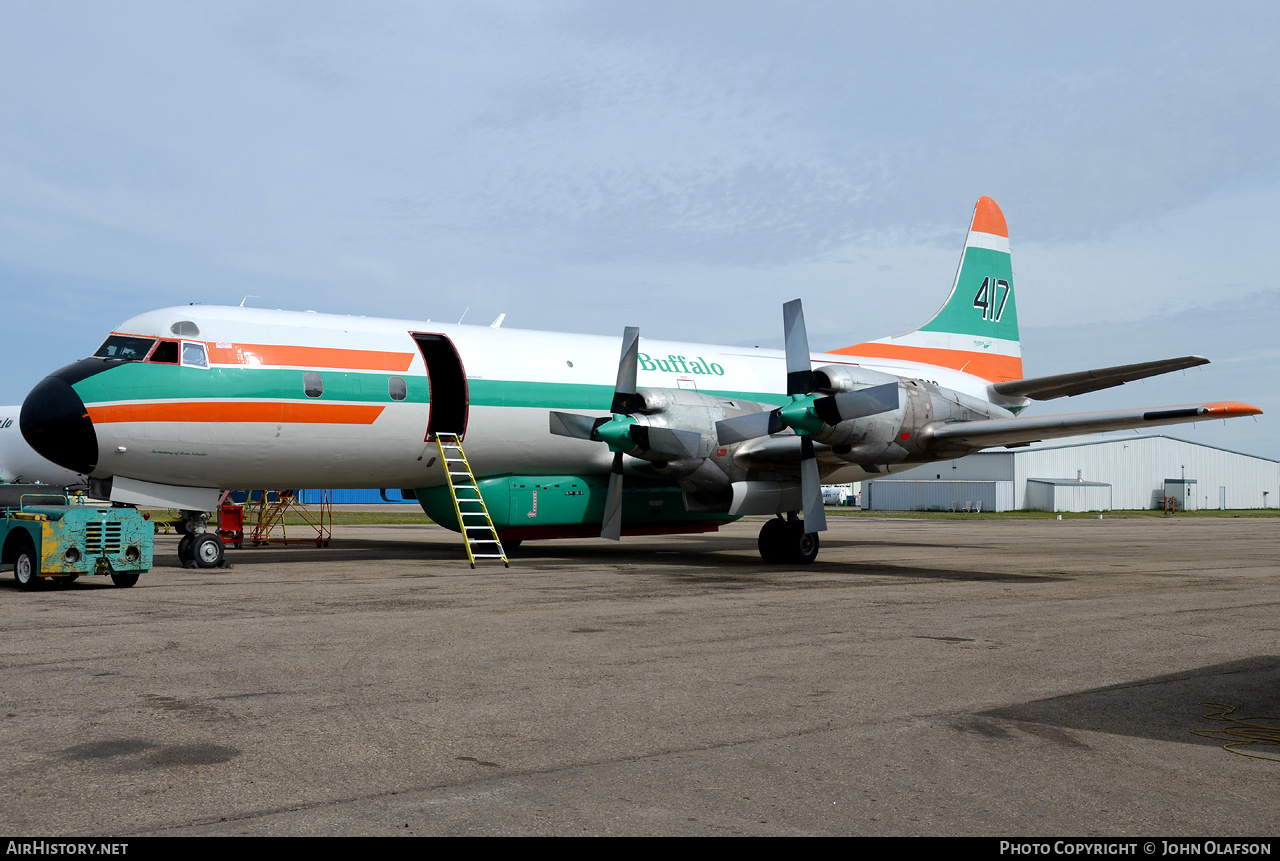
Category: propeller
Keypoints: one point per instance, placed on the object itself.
(807, 413)
(623, 433)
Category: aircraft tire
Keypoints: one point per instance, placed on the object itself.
(207, 550)
(774, 539)
(803, 546)
(124, 581)
(26, 569)
(184, 548)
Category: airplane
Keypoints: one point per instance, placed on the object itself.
(19, 464)
(568, 435)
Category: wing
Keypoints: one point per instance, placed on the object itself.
(988, 433)
(1079, 382)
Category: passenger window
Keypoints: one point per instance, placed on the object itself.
(123, 348)
(312, 384)
(166, 353)
(399, 391)
(193, 355)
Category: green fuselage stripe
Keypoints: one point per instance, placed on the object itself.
(137, 381)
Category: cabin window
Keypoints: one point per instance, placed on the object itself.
(399, 391)
(166, 353)
(124, 348)
(312, 384)
(193, 355)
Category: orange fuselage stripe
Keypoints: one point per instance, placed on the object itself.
(283, 412)
(988, 366)
(308, 357)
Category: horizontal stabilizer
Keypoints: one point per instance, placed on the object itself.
(989, 433)
(1079, 382)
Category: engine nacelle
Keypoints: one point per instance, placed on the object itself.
(681, 409)
(850, 378)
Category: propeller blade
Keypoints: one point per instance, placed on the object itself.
(612, 525)
(847, 406)
(677, 443)
(571, 424)
(800, 378)
(625, 400)
(815, 516)
(749, 426)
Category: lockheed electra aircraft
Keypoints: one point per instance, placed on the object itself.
(568, 435)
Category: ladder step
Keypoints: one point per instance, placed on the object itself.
(465, 492)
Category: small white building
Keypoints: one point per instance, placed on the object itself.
(1135, 472)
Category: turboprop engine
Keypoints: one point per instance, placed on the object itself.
(672, 429)
(890, 429)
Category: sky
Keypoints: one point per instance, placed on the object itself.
(683, 167)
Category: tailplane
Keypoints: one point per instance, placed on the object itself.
(976, 329)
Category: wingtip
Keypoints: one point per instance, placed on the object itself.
(1230, 410)
(987, 218)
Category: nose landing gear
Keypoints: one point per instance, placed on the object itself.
(199, 549)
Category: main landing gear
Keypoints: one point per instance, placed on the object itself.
(199, 549)
(785, 541)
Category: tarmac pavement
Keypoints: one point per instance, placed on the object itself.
(922, 677)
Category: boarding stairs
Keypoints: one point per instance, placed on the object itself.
(479, 536)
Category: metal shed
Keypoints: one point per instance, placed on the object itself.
(1135, 467)
(1065, 494)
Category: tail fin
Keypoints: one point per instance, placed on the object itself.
(976, 329)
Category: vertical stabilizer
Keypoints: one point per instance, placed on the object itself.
(976, 330)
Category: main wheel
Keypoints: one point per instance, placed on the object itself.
(26, 569)
(207, 550)
(803, 546)
(774, 539)
(184, 548)
(124, 581)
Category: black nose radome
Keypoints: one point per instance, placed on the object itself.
(55, 423)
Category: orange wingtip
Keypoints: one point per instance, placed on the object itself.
(987, 218)
(1231, 410)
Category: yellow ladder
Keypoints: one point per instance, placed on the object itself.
(474, 518)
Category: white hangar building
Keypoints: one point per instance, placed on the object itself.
(1135, 472)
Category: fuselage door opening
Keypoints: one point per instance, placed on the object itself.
(448, 381)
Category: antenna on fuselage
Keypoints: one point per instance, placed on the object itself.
(498, 322)
(247, 298)
(464, 313)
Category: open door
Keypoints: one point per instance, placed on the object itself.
(448, 381)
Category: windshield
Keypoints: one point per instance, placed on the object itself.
(125, 348)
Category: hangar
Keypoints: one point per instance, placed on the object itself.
(1136, 472)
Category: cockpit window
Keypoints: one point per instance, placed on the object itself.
(193, 355)
(124, 348)
(166, 353)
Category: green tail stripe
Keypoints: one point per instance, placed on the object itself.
(983, 302)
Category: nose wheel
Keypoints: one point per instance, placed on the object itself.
(786, 542)
(202, 550)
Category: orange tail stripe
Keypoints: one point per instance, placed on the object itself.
(987, 218)
(308, 357)
(986, 365)
(213, 411)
